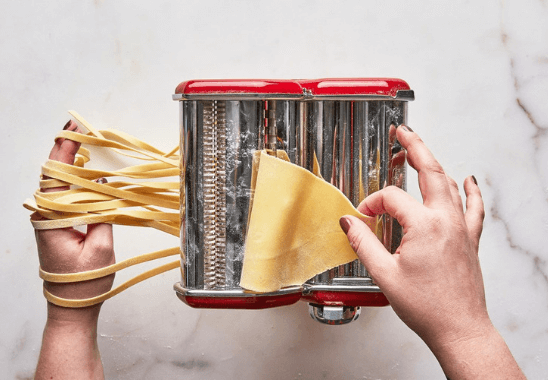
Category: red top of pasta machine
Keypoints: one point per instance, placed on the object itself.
(358, 87)
(351, 88)
(239, 88)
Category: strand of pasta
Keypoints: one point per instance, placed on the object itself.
(119, 202)
(77, 303)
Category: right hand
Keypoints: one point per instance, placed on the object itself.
(433, 281)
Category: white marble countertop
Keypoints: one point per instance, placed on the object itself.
(480, 75)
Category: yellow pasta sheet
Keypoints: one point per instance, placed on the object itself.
(294, 230)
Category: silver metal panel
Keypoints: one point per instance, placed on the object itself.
(352, 142)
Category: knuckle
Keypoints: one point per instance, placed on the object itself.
(433, 166)
(481, 213)
(101, 246)
(477, 208)
(415, 139)
(452, 182)
(356, 240)
(437, 220)
(391, 191)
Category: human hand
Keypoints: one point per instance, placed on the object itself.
(67, 250)
(434, 278)
(433, 281)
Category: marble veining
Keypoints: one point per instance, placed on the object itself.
(539, 262)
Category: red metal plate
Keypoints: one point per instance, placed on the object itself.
(346, 298)
(239, 86)
(355, 86)
(260, 302)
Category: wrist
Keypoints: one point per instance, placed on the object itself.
(451, 344)
(456, 333)
(69, 345)
(481, 354)
(64, 317)
(77, 327)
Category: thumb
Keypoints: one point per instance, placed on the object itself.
(371, 252)
(99, 247)
(99, 241)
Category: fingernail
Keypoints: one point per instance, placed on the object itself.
(406, 128)
(345, 224)
(475, 180)
(101, 180)
(67, 125)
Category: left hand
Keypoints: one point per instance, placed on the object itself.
(67, 250)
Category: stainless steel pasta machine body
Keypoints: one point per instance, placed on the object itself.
(346, 125)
